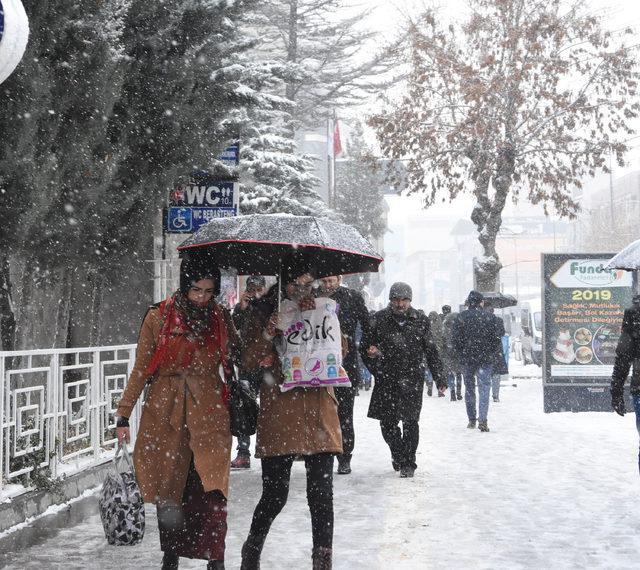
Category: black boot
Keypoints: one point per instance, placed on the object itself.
(215, 565)
(344, 465)
(251, 550)
(170, 561)
(321, 558)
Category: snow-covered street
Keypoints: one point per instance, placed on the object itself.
(538, 491)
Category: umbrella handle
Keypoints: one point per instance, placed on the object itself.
(279, 285)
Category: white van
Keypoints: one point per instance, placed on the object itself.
(531, 337)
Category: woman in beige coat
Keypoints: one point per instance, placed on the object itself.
(300, 422)
(182, 451)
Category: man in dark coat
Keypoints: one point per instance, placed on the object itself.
(254, 289)
(352, 312)
(628, 354)
(450, 356)
(396, 350)
(476, 335)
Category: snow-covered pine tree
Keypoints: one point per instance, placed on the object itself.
(360, 187)
(323, 44)
(274, 176)
(113, 99)
(53, 114)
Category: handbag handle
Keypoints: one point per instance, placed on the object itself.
(126, 456)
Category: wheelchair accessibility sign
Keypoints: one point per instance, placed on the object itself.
(180, 220)
(189, 220)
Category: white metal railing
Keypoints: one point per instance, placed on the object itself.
(57, 410)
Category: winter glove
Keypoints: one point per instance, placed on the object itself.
(123, 432)
(122, 422)
(617, 403)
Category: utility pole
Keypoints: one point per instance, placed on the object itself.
(612, 220)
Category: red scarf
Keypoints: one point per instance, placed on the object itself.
(176, 335)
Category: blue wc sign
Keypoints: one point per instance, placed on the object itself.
(14, 34)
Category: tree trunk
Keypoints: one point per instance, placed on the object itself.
(7, 316)
(487, 216)
(63, 310)
(292, 47)
(96, 308)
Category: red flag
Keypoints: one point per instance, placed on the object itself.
(337, 144)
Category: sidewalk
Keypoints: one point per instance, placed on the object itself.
(556, 491)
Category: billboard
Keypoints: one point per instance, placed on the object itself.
(583, 306)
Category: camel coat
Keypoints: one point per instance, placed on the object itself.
(183, 415)
(297, 422)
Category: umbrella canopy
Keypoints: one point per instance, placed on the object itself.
(266, 244)
(628, 258)
(500, 300)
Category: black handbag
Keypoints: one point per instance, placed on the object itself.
(243, 402)
(243, 407)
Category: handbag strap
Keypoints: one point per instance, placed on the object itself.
(122, 454)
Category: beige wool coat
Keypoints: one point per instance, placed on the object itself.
(297, 422)
(183, 416)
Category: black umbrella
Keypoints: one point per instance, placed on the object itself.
(499, 300)
(267, 244)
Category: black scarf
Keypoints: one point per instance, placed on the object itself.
(197, 318)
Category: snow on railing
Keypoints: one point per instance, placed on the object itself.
(57, 412)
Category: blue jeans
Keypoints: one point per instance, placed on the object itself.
(636, 407)
(495, 385)
(454, 381)
(483, 373)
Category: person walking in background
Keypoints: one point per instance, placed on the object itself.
(476, 335)
(500, 364)
(396, 350)
(449, 355)
(435, 323)
(628, 354)
(183, 446)
(353, 316)
(299, 422)
(254, 289)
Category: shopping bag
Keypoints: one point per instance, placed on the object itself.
(311, 346)
(121, 503)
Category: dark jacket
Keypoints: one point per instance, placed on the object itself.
(351, 312)
(240, 316)
(405, 350)
(499, 363)
(476, 335)
(449, 355)
(628, 353)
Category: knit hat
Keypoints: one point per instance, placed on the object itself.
(256, 281)
(193, 269)
(474, 299)
(400, 290)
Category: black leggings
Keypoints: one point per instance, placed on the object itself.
(276, 473)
